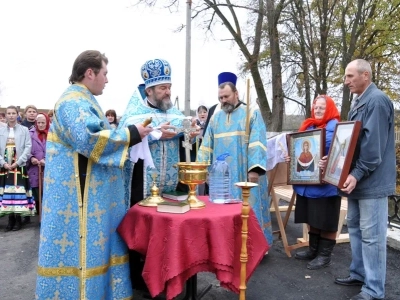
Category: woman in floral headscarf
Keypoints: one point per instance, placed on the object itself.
(319, 205)
(38, 153)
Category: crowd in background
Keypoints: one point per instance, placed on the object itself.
(22, 159)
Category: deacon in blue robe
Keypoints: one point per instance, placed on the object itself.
(225, 134)
(81, 255)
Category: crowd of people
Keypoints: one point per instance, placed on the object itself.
(20, 157)
(96, 168)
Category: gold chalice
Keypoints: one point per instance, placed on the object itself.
(192, 174)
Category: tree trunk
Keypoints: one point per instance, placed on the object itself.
(262, 96)
(278, 105)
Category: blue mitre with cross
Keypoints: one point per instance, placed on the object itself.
(155, 72)
(227, 77)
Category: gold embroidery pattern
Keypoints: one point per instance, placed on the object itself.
(83, 224)
(100, 145)
(52, 137)
(91, 272)
(257, 144)
(125, 152)
(229, 134)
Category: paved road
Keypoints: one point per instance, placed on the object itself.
(278, 277)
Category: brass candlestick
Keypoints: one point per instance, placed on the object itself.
(192, 174)
(154, 199)
(245, 186)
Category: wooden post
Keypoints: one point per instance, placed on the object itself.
(245, 186)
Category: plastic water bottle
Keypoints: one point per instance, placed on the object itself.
(220, 180)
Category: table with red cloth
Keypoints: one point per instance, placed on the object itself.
(178, 246)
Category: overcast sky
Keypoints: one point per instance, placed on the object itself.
(41, 39)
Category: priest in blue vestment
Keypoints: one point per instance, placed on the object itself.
(225, 133)
(153, 101)
(81, 255)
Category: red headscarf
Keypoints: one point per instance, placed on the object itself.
(42, 134)
(331, 113)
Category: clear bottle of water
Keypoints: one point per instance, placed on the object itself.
(220, 180)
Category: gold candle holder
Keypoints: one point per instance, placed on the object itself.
(154, 199)
(245, 186)
(193, 174)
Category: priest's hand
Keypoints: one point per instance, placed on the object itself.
(196, 127)
(167, 133)
(253, 177)
(143, 131)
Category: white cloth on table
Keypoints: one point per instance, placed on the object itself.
(276, 150)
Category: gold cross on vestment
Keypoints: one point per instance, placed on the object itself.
(56, 296)
(47, 180)
(63, 243)
(94, 184)
(49, 153)
(68, 213)
(97, 213)
(82, 115)
(71, 184)
(101, 241)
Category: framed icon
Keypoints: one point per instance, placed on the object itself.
(341, 152)
(305, 150)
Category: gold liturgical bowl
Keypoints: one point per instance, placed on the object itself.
(192, 174)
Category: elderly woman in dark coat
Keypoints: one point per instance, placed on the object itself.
(38, 153)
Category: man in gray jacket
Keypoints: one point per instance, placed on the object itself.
(371, 180)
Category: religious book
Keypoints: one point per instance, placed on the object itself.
(174, 207)
(175, 195)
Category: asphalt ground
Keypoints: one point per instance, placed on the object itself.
(277, 277)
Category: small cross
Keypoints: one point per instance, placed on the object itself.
(97, 213)
(48, 255)
(63, 243)
(56, 295)
(94, 184)
(101, 241)
(50, 152)
(43, 284)
(68, 213)
(71, 184)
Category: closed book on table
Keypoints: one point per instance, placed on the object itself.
(174, 207)
(175, 195)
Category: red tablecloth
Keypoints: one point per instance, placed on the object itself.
(177, 246)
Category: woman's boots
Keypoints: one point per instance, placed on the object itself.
(14, 222)
(18, 223)
(319, 252)
(312, 251)
(323, 258)
(11, 222)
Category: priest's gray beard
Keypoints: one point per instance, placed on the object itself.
(228, 108)
(163, 104)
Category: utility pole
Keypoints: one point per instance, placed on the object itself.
(188, 53)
